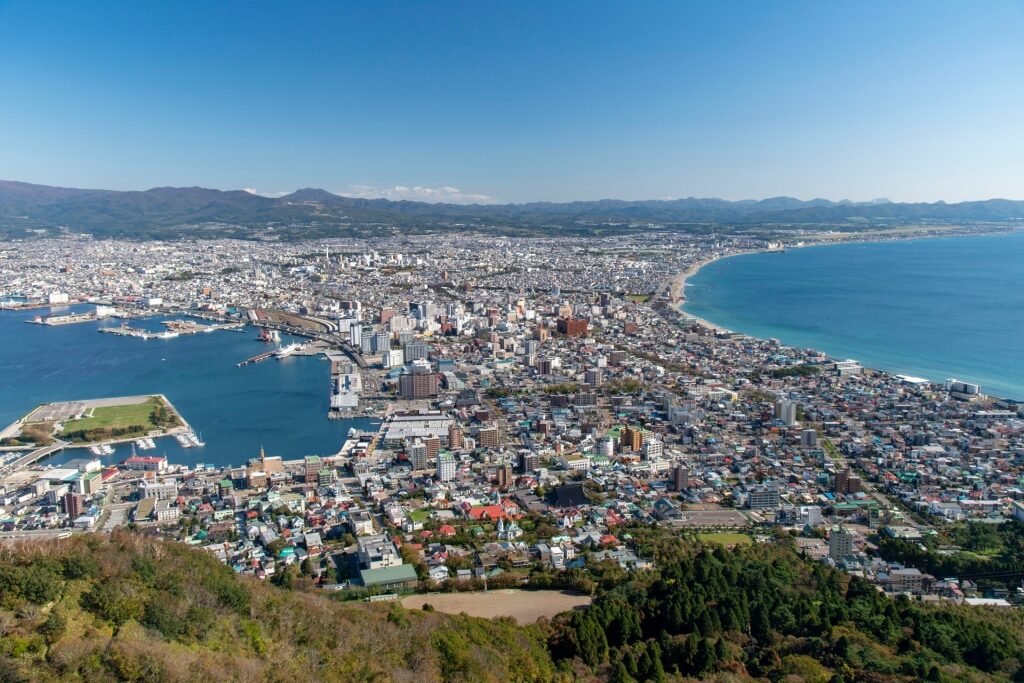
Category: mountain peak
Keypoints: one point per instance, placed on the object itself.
(310, 194)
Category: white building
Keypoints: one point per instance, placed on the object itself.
(445, 466)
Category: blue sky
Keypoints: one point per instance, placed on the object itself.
(519, 101)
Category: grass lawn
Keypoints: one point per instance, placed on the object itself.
(420, 515)
(118, 416)
(725, 538)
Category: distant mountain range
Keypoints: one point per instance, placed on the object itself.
(170, 211)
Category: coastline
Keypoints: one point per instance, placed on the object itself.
(679, 299)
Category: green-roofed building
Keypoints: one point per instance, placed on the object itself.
(389, 577)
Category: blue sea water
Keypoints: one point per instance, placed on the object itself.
(278, 404)
(934, 308)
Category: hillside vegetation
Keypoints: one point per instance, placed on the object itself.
(129, 608)
(762, 611)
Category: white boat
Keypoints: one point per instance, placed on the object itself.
(96, 450)
(183, 440)
(286, 351)
(107, 449)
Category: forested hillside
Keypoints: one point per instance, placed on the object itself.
(763, 611)
(129, 608)
(133, 609)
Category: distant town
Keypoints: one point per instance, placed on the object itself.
(537, 399)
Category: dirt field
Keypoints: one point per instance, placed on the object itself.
(523, 606)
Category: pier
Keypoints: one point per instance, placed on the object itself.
(256, 359)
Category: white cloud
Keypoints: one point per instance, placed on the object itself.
(272, 195)
(445, 194)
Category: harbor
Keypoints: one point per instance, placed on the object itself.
(282, 406)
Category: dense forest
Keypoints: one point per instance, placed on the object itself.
(765, 612)
(131, 608)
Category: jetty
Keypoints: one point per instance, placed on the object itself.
(256, 359)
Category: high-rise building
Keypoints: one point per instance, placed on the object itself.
(572, 327)
(762, 497)
(417, 452)
(418, 381)
(840, 543)
(680, 478)
(416, 351)
(433, 444)
(445, 466)
(455, 441)
(809, 438)
(528, 462)
(488, 437)
(594, 377)
(380, 342)
(785, 411)
(366, 340)
(355, 335)
(653, 449)
(504, 476)
(846, 482)
(73, 504)
(312, 467)
(631, 438)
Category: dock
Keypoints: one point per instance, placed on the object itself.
(256, 359)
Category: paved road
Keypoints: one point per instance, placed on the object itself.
(35, 455)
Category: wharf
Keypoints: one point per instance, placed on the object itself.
(256, 359)
(70, 319)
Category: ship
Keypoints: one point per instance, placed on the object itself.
(269, 335)
(286, 351)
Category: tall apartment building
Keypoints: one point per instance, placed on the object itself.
(785, 410)
(73, 504)
(840, 543)
(311, 468)
(504, 476)
(417, 452)
(763, 497)
(455, 437)
(631, 438)
(680, 478)
(846, 482)
(445, 466)
(419, 381)
(653, 449)
(416, 351)
(488, 437)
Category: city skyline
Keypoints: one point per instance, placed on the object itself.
(467, 103)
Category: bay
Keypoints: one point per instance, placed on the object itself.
(934, 308)
(279, 405)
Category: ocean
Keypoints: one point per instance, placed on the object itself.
(933, 308)
(280, 405)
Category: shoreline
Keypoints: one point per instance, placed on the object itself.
(679, 283)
